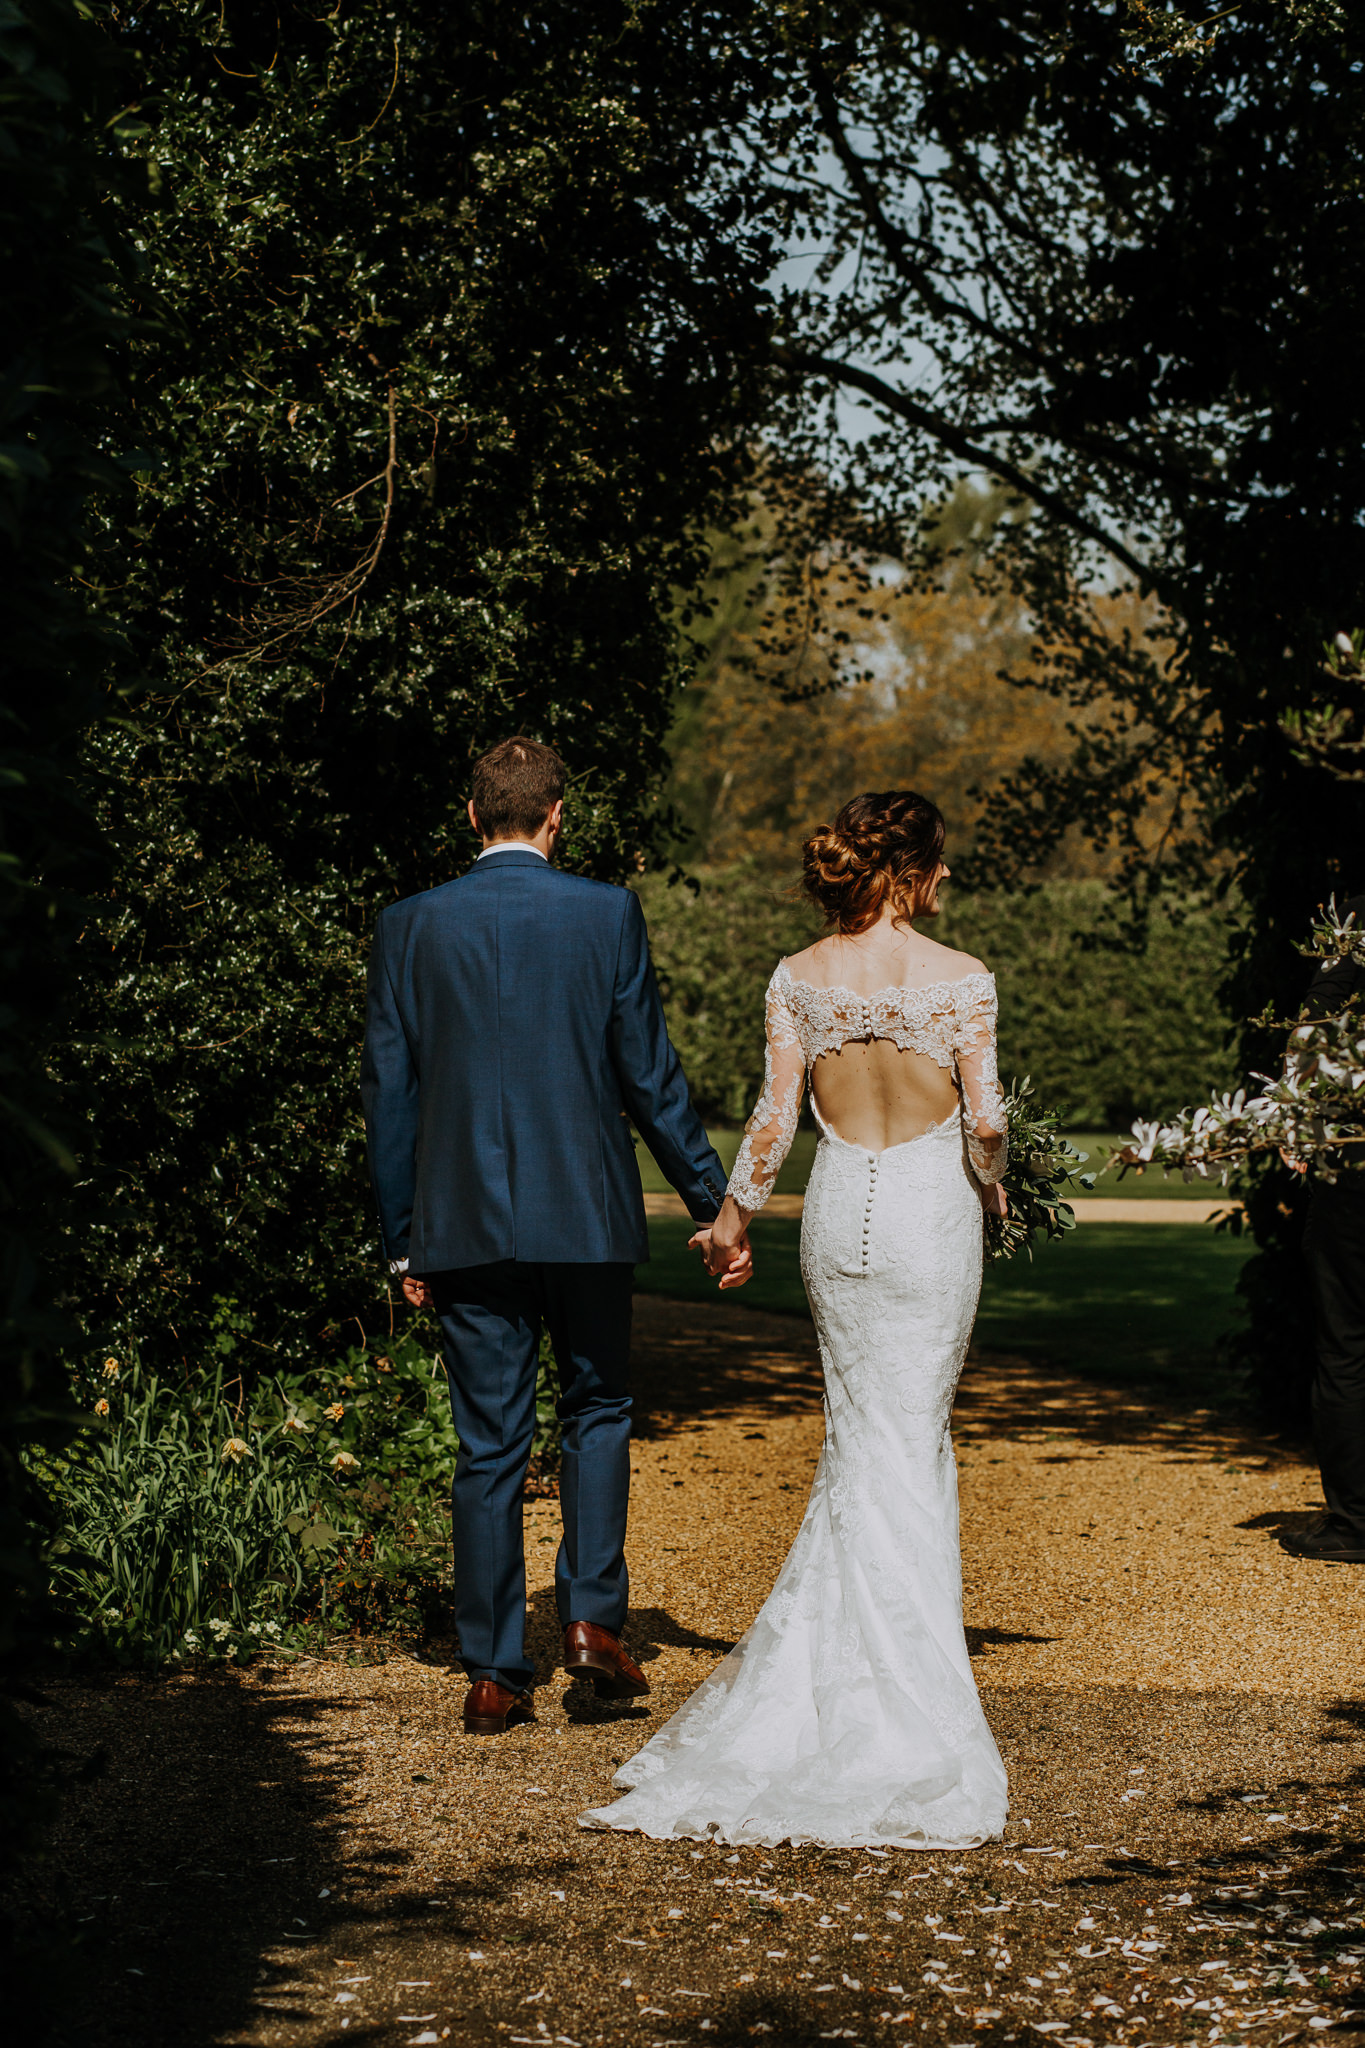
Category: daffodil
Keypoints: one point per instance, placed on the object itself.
(344, 1462)
(335, 1412)
(297, 1425)
(235, 1449)
(111, 1368)
(101, 1407)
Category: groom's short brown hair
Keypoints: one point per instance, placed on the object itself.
(516, 785)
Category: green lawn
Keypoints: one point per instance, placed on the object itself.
(1119, 1302)
(796, 1168)
(790, 1181)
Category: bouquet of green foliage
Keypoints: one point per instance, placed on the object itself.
(1041, 1166)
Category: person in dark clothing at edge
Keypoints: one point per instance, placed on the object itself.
(1334, 1247)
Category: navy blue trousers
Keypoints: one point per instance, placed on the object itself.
(491, 1322)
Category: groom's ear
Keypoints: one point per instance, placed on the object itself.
(474, 817)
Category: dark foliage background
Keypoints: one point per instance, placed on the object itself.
(449, 393)
(60, 662)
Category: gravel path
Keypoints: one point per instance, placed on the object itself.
(319, 1854)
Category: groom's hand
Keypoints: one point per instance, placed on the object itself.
(725, 1250)
(416, 1293)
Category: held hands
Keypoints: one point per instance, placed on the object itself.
(416, 1293)
(994, 1200)
(724, 1246)
(731, 1265)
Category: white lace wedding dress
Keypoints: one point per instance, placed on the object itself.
(848, 1714)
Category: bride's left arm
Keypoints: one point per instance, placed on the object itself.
(983, 1106)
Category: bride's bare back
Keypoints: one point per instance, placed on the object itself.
(872, 1092)
(895, 1033)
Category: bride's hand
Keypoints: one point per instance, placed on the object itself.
(994, 1200)
(724, 1246)
(741, 1260)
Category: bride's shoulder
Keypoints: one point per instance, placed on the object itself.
(802, 966)
(950, 965)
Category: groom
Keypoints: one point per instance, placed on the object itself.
(513, 1033)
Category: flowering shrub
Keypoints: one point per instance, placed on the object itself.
(196, 1526)
(191, 1526)
(173, 1517)
(1313, 1112)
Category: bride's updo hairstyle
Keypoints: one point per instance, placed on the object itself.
(879, 847)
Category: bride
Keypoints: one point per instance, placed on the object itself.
(848, 1714)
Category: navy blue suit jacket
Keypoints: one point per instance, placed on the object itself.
(512, 1027)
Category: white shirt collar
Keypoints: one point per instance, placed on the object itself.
(506, 846)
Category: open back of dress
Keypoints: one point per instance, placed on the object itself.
(950, 1024)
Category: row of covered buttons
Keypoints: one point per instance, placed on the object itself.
(867, 1212)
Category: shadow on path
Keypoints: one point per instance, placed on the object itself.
(696, 1361)
(209, 1837)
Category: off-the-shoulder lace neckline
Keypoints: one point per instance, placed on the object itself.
(890, 988)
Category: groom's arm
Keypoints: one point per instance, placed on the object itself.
(389, 1092)
(653, 1084)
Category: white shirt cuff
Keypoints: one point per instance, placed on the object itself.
(398, 1265)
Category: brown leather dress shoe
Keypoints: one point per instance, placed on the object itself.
(1327, 1540)
(490, 1708)
(595, 1653)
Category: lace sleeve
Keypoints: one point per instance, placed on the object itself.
(983, 1109)
(770, 1130)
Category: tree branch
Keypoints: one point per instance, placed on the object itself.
(961, 443)
(895, 241)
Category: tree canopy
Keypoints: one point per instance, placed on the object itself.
(1114, 265)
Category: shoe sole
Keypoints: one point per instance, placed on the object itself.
(607, 1682)
(1326, 1556)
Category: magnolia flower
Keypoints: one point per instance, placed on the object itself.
(111, 1368)
(335, 1412)
(234, 1450)
(101, 1407)
(1342, 643)
(297, 1425)
(344, 1462)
